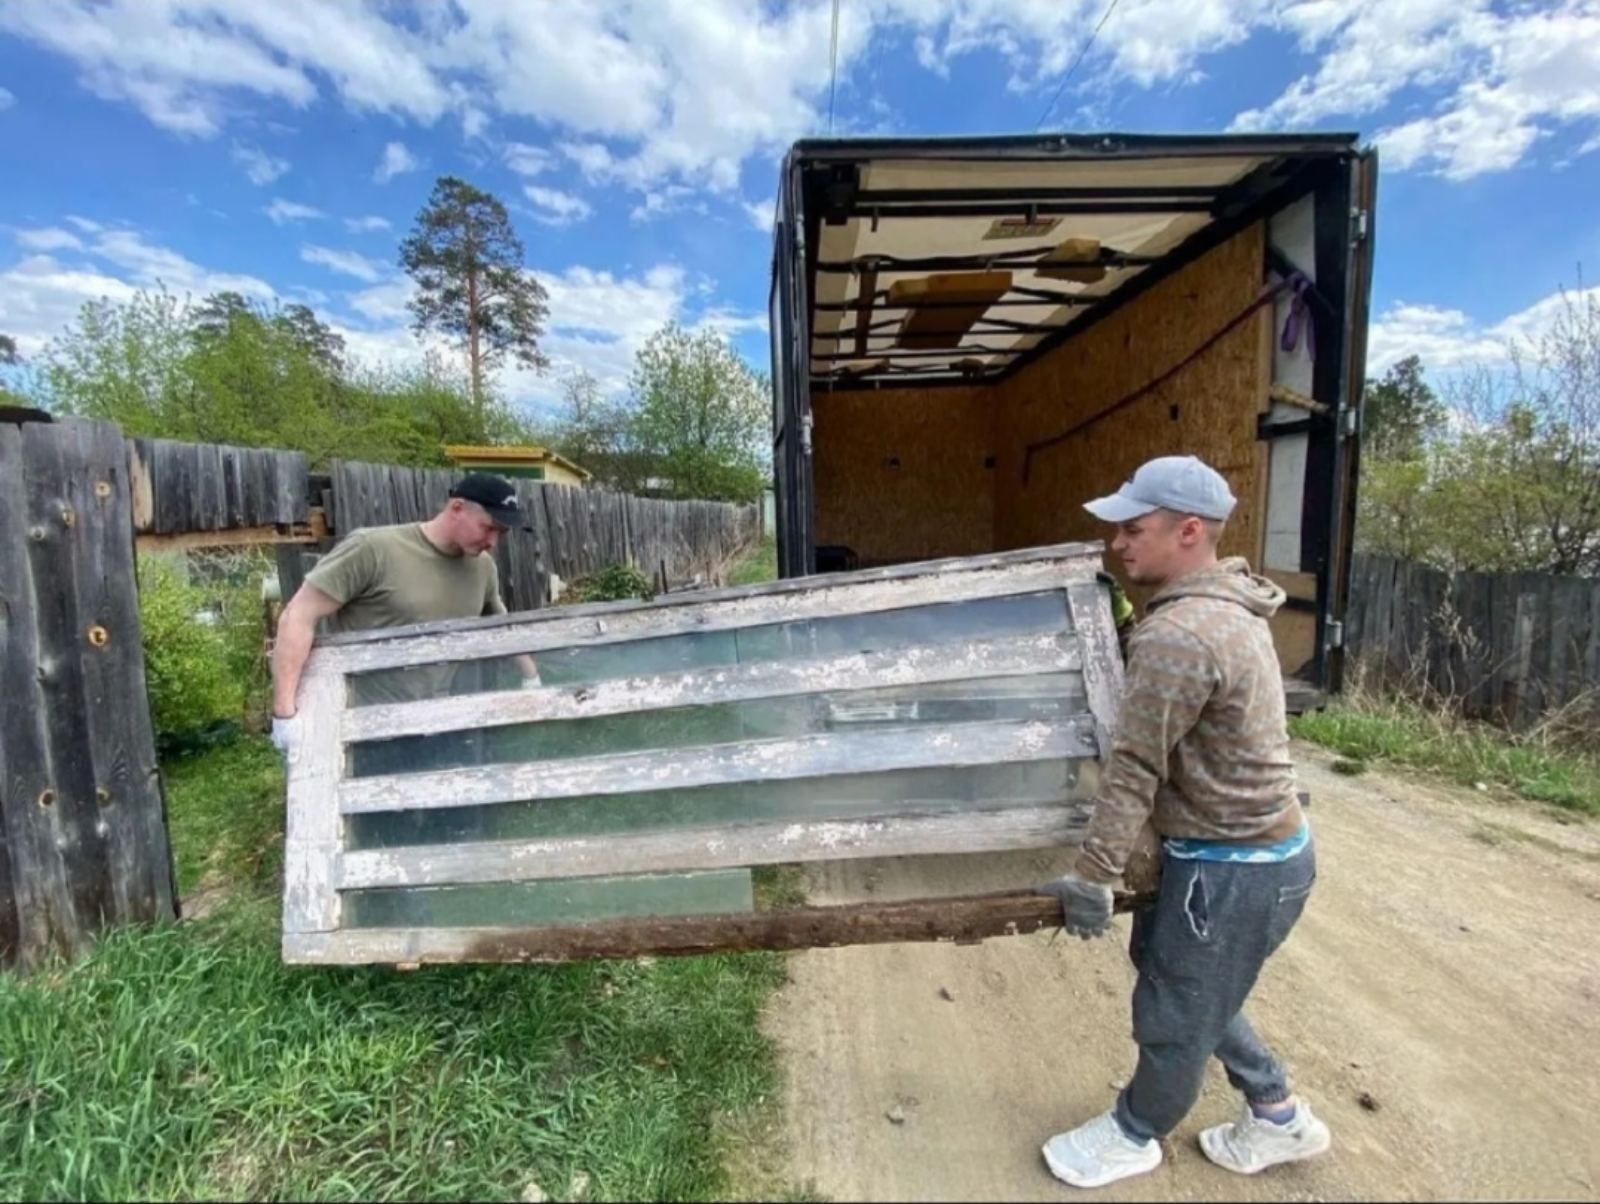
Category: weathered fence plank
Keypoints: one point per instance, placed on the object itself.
(1508, 647)
(83, 817)
(213, 487)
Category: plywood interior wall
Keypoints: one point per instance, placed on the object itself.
(1209, 409)
(899, 474)
(942, 501)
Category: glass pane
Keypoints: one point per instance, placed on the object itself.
(1041, 697)
(848, 796)
(570, 900)
(806, 639)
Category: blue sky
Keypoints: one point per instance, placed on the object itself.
(282, 149)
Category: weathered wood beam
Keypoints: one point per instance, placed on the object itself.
(682, 614)
(279, 533)
(1009, 657)
(826, 755)
(966, 919)
(1040, 824)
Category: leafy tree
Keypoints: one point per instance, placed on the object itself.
(1512, 482)
(229, 371)
(467, 262)
(1400, 412)
(8, 349)
(596, 431)
(124, 362)
(702, 415)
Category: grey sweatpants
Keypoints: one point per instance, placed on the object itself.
(1199, 950)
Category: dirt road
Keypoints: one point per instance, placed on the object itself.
(1439, 1004)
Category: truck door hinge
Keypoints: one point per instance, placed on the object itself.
(805, 435)
(1333, 630)
(1350, 423)
(1358, 224)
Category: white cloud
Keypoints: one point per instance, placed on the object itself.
(150, 264)
(49, 238)
(761, 212)
(180, 62)
(557, 208)
(260, 167)
(527, 160)
(347, 263)
(7, 99)
(366, 225)
(1446, 339)
(593, 160)
(664, 200)
(1512, 76)
(669, 91)
(396, 161)
(84, 224)
(41, 294)
(384, 302)
(282, 212)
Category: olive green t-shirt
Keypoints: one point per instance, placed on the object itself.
(392, 577)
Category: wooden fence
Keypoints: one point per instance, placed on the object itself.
(197, 494)
(1506, 647)
(574, 531)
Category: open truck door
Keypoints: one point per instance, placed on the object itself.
(984, 333)
(1347, 471)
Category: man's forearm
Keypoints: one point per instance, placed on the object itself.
(1122, 805)
(526, 667)
(289, 653)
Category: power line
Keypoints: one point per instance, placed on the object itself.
(833, 64)
(1104, 17)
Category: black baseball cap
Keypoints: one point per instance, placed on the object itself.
(496, 495)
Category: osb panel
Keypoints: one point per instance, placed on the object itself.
(899, 473)
(1294, 632)
(1209, 409)
(1294, 636)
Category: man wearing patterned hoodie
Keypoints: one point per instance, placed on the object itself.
(1201, 751)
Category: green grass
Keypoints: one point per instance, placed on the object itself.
(189, 1062)
(1365, 729)
(225, 811)
(761, 565)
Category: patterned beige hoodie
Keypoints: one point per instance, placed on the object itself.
(1201, 740)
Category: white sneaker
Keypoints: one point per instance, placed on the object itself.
(1250, 1145)
(1099, 1152)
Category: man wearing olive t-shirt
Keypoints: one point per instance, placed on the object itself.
(391, 577)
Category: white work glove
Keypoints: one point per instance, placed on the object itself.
(286, 736)
(530, 683)
(1085, 906)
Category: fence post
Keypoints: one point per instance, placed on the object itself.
(82, 817)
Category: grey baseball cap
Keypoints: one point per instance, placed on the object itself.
(1184, 484)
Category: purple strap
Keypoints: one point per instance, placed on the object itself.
(1299, 318)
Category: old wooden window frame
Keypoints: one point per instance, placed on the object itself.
(318, 867)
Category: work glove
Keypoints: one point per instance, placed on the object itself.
(1121, 608)
(1085, 906)
(286, 736)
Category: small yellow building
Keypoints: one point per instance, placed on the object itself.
(526, 463)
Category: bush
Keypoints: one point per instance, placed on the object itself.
(202, 651)
(615, 583)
